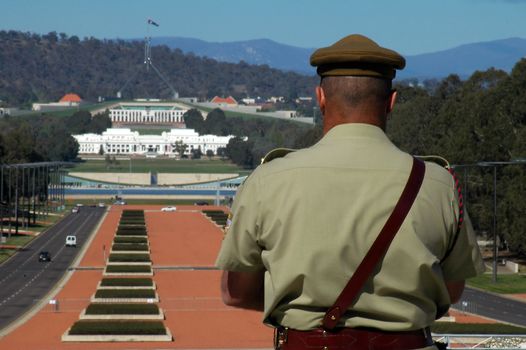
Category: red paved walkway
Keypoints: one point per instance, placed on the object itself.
(191, 300)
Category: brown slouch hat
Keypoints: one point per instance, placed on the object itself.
(357, 55)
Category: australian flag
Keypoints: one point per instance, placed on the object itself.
(150, 21)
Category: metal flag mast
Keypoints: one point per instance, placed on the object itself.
(148, 62)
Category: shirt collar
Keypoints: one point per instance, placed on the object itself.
(356, 130)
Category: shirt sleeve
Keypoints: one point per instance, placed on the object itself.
(240, 250)
(464, 260)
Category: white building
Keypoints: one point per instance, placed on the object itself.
(125, 141)
(148, 113)
(67, 101)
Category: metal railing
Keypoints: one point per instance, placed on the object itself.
(483, 341)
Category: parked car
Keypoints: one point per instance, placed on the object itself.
(71, 241)
(44, 256)
(121, 202)
(101, 205)
(201, 203)
(169, 209)
(75, 210)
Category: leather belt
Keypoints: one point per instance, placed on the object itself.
(351, 339)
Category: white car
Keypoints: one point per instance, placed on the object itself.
(102, 205)
(169, 209)
(71, 241)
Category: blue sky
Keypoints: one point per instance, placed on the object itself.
(408, 26)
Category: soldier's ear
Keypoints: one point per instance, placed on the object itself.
(320, 96)
(392, 100)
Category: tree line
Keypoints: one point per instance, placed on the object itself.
(472, 123)
(45, 67)
(263, 134)
(46, 137)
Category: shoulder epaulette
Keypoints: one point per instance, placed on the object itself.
(276, 153)
(436, 159)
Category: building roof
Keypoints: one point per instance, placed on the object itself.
(229, 100)
(71, 98)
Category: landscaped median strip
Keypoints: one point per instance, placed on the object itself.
(124, 308)
(219, 217)
(117, 330)
(115, 311)
(126, 283)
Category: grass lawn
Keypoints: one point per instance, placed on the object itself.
(67, 112)
(506, 284)
(19, 240)
(145, 165)
(244, 115)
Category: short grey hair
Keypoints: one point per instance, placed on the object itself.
(353, 91)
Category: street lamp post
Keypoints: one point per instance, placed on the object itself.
(494, 165)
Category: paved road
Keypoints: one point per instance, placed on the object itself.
(24, 281)
(493, 306)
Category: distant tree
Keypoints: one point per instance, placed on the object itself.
(193, 119)
(100, 122)
(240, 152)
(221, 151)
(20, 145)
(309, 137)
(107, 161)
(101, 150)
(2, 149)
(209, 153)
(196, 153)
(79, 122)
(180, 147)
(216, 123)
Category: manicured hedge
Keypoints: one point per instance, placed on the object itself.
(212, 211)
(131, 233)
(130, 246)
(131, 224)
(122, 309)
(128, 268)
(85, 327)
(131, 227)
(115, 257)
(132, 213)
(126, 282)
(125, 293)
(218, 216)
(121, 239)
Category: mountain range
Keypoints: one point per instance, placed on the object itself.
(462, 60)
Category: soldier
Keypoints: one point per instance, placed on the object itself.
(303, 222)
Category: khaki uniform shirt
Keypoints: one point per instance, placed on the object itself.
(309, 218)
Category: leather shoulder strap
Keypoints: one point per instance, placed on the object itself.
(379, 247)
